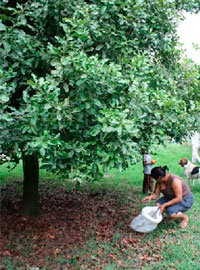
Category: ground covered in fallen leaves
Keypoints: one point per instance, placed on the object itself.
(83, 229)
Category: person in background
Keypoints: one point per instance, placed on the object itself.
(177, 197)
(148, 180)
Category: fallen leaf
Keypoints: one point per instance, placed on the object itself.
(120, 263)
(112, 256)
(6, 253)
(56, 251)
(144, 256)
(99, 252)
(51, 236)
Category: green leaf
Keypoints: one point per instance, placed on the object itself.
(4, 98)
(42, 152)
(59, 115)
(2, 26)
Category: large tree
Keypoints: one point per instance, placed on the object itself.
(87, 85)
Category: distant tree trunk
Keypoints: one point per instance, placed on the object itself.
(30, 205)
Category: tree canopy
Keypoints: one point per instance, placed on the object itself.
(87, 85)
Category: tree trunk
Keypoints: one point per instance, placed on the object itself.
(30, 205)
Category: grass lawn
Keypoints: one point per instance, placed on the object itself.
(89, 228)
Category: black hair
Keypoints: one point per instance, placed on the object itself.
(159, 171)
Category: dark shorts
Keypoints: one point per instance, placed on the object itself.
(182, 206)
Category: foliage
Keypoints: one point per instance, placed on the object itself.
(88, 85)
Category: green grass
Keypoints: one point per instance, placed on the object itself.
(8, 174)
(178, 248)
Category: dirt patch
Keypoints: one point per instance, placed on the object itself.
(68, 222)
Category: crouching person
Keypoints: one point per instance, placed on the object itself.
(177, 197)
